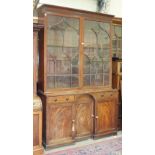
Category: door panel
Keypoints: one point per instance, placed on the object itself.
(83, 118)
(63, 35)
(105, 116)
(96, 53)
(60, 123)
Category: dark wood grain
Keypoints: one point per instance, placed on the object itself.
(60, 122)
(37, 105)
(70, 114)
(84, 116)
(35, 130)
(106, 113)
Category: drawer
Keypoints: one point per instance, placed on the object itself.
(106, 95)
(60, 99)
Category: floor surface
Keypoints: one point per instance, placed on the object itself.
(83, 143)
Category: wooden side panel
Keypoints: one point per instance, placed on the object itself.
(44, 112)
(37, 132)
(35, 129)
(41, 60)
(34, 62)
(83, 118)
(59, 123)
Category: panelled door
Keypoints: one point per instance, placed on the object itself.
(59, 123)
(105, 116)
(84, 109)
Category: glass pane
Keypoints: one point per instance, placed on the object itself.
(63, 67)
(99, 79)
(114, 44)
(74, 69)
(92, 79)
(75, 81)
(96, 67)
(86, 64)
(86, 80)
(96, 52)
(118, 31)
(117, 41)
(106, 54)
(50, 81)
(50, 66)
(106, 67)
(106, 79)
(119, 44)
(62, 51)
(63, 81)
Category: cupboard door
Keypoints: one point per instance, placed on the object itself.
(83, 119)
(62, 52)
(96, 53)
(106, 116)
(59, 123)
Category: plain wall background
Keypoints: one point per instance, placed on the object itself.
(114, 6)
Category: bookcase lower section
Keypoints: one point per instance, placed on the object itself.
(68, 118)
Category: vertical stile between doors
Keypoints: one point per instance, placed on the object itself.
(81, 64)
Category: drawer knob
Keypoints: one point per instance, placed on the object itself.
(55, 100)
(102, 95)
(92, 116)
(96, 117)
(67, 99)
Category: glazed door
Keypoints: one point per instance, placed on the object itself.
(106, 116)
(59, 123)
(63, 35)
(84, 116)
(97, 61)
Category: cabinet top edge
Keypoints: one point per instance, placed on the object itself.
(76, 92)
(116, 20)
(46, 8)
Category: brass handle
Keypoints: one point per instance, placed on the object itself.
(92, 116)
(73, 121)
(96, 117)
